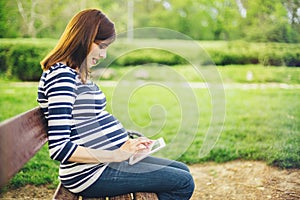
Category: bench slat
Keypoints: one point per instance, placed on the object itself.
(145, 196)
(62, 193)
(20, 138)
(120, 197)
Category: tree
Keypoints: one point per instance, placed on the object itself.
(200, 19)
(40, 18)
(254, 20)
(293, 7)
(267, 20)
(8, 20)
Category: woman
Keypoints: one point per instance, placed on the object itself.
(91, 144)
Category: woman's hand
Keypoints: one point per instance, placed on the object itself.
(132, 146)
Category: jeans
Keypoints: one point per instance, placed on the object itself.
(168, 179)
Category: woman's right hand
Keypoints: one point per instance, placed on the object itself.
(132, 146)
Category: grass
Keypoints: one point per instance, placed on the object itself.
(260, 74)
(260, 124)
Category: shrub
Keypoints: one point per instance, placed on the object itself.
(291, 59)
(144, 56)
(232, 57)
(271, 58)
(23, 61)
(4, 49)
(268, 54)
(21, 57)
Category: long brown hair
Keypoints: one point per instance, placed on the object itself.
(76, 41)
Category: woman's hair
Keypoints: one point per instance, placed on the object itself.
(75, 43)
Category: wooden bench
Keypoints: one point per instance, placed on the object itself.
(22, 137)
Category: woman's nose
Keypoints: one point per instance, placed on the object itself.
(102, 53)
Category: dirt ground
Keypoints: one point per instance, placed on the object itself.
(245, 180)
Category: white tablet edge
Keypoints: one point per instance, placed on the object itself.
(162, 144)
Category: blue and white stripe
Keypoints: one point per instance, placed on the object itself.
(76, 117)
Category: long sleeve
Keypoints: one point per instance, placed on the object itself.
(82, 134)
(60, 86)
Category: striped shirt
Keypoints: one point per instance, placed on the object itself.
(76, 116)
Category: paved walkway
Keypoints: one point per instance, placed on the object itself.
(201, 85)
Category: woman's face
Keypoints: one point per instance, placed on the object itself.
(98, 52)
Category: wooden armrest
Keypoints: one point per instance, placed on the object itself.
(20, 138)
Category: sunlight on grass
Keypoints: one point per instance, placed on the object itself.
(260, 124)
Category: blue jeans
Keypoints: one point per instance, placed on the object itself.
(168, 179)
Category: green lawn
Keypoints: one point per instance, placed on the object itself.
(260, 123)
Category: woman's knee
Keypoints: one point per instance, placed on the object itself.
(189, 185)
(189, 181)
(183, 190)
(180, 165)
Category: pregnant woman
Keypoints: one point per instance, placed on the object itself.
(91, 144)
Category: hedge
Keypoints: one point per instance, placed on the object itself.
(267, 54)
(143, 56)
(20, 58)
(23, 61)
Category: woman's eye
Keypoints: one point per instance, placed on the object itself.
(102, 45)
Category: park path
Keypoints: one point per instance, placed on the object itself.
(200, 85)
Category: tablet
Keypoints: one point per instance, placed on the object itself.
(154, 147)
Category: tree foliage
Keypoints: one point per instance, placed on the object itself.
(253, 20)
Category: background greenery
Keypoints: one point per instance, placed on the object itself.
(262, 123)
(19, 58)
(255, 45)
(256, 20)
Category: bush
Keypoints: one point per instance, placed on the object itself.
(144, 56)
(276, 54)
(20, 58)
(268, 54)
(271, 58)
(4, 49)
(221, 57)
(24, 61)
(292, 59)
(219, 52)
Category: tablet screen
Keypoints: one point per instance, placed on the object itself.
(154, 147)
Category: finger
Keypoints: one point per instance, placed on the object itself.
(138, 144)
(144, 140)
(142, 146)
(147, 142)
(132, 141)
